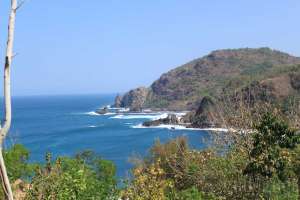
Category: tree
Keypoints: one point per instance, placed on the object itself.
(5, 126)
(274, 151)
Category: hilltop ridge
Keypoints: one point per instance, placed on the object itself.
(184, 87)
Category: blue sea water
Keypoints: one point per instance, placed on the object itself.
(66, 125)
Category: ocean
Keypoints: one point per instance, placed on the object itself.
(66, 125)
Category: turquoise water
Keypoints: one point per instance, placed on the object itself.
(65, 125)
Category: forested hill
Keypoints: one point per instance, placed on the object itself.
(232, 69)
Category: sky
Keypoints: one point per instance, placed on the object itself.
(111, 46)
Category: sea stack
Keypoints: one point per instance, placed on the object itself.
(118, 101)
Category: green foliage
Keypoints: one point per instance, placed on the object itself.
(84, 177)
(149, 183)
(295, 161)
(271, 144)
(260, 68)
(278, 190)
(157, 103)
(16, 159)
(208, 174)
(197, 174)
(188, 194)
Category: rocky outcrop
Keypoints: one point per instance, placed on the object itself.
(183, 87)
(208, 115)
(135, 99)
(295, 80)
(249, 95)
(270, 90)
(118, 101)
(219, 112)
(255, 97)
(102, 111)
(171, 119)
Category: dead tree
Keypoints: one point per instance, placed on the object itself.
(7, 98)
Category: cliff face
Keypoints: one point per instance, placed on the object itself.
(184, 87)
(274, 89)
(135, 99)
(118, 101)
(281, 91)
(207, 115)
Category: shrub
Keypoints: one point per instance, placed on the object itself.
(211, 174)
(188, 194)
(86, 176)
(149, 183)
(16, 159)
(273, 143)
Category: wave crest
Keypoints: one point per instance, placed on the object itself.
(93, 113)
(140, 116)
(180, 127)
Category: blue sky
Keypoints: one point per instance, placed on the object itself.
(108, 46)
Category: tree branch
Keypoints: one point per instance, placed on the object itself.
(20, 5)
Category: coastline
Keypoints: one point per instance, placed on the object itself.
(158, 117)
(181, 127)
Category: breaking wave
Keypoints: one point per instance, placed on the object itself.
(140, 116)
(93, 113)
(180, 127)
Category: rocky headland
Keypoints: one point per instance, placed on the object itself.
(223, 80)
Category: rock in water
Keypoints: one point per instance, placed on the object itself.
(118, 101)
(102, 111)
(171, 119)
(135, 99)
(207, 115)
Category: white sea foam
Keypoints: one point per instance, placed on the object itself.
(123, 109)
(163, 126)
(92, 113)
(181, 114)
(180, 127)
(110, 113)
(95, 126)
(111, 108)
(132, 115)
(140, 116)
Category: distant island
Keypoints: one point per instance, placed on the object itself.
(210, 86)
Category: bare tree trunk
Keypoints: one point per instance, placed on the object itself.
(4, 179)
(298, 187)
(7, 98)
